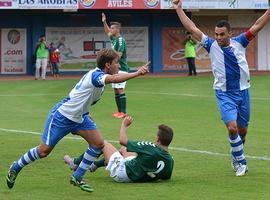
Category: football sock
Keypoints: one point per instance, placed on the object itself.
(123, 102)
(237, 148)
(30, 156)
(88, 158)
(243, 138)
(118, 103)
(100, 163)
(78, 160)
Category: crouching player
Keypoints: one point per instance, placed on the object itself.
(136, 161)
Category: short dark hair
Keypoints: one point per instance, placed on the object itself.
(188, 33)
(105, 56)
(165, 134)
(223, 23)
(116, 24)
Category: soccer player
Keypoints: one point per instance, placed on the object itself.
(232, 81)
(118, 43)
(71, 115)
(138, 161)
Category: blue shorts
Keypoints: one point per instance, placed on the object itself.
(58, 126)
(234, 106)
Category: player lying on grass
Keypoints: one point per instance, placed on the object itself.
(136, 161)
(232, 79)
(71, 115)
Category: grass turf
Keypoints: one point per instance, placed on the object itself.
(187, 104)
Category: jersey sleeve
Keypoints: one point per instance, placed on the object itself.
(207, 42)
(121, 46)
(98, 79)
(138, 146)
(244, 38)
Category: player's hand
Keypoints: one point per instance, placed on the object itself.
(127, 121)
(178, 3)
(103, 17)
(144, 69)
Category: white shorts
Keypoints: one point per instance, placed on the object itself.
(119, 85)
(117, 168)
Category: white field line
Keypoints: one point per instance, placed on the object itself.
(131, 92)
(171, 148)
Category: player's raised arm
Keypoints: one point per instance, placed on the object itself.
(105, 25)
(123, 139)
(260, 23)
(187, 23)
(121, 77)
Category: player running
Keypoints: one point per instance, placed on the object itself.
(232, 80)
(136, 161)
(71, 115)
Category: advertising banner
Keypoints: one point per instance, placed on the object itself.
(13, 51)
(119, 4)
(47, 4)
(7, 4)
(218, 4)
(79, 45)
(174, 50)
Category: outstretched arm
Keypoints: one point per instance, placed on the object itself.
(260, 23)
(122, 77)
(187, 23)
(105, 25)
(123, 139)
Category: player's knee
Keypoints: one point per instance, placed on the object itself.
(44, 152)
(99, 144)
(232, 129)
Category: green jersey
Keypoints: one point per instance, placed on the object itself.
(42, 51)
(151, 164)
(119, 45)
(190, 49)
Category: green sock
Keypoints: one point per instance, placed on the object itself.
(123, 102)
(118, 103)
(78, 160)
(100, 163)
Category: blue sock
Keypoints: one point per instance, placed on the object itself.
(89, 157)
(237, 148)
(30, 156)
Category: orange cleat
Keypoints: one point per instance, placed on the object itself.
(119, 115)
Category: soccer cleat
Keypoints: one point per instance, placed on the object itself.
(234, 162)
(119, 115)
(11, 176)
(242, 170)
(69, 161)
(81, 184)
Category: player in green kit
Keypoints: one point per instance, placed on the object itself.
(118, 43)
(136, 161)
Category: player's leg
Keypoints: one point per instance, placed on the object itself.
(38, 65)
(126, 154)
(52, 134)
(228, 109)
(244, 115)
(89, 132)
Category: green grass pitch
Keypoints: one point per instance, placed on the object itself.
(187, 104)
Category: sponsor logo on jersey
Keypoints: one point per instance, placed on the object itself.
(151, 3)
(88, 3)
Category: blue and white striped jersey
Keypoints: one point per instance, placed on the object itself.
(85, 94)
(229, 64)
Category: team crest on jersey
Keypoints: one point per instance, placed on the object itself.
(88, 3)
(151, 3)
